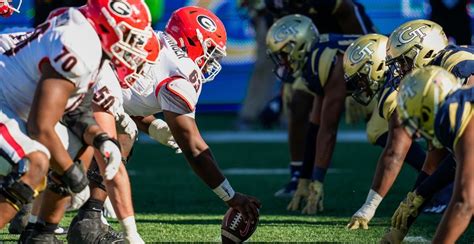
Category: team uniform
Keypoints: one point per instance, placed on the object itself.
(71, 46)
(168, 86)
(321, 12)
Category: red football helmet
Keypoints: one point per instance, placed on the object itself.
(8, 7)
(123, 74)
(202, 35)
(124, 28)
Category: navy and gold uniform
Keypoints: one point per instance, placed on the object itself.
(453, 116)
(321, 13)
(320, 61)
(456, 59)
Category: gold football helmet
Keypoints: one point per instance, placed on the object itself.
(288, 40)
(414, 44)
(421, 94)
(364, 66)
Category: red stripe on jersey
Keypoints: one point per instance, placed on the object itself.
(11, 141)
(190, 105)
(163, 82)
(41, 62)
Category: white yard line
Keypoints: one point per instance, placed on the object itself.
(358, 136)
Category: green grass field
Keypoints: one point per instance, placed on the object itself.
(173, 205)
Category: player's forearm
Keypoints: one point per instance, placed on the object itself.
(325, 144)
(205, 166)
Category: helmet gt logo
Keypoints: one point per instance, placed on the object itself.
(360, 53)
(284, 32)
(120, 8)
(411, 35)
(207, 23)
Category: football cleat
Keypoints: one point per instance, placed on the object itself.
(288, 190)
(19, 222)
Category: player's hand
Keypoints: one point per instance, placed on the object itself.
(160, 132)
(358, 223)
(112, 156)
(6, 43)
(301, 194)
(248, 206)
(408, 207)
(394, 236)
(134, 238)
(315, 198)
(77, 200)
(127, 124)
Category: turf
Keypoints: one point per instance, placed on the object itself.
(172, 204)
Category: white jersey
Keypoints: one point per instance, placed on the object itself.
(173, 84)
(68, 42)
(107, 91)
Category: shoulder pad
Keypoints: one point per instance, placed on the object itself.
(185, 91)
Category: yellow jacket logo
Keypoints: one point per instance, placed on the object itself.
(409, 34)
(359, 53)
(285, 31)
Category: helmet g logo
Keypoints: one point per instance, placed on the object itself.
(284, 32)
(207, 23)
(120, 8)
(360, 53)
(412, 34)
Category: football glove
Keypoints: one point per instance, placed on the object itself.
(127, 124)
(161, 133)
(301, 194)
(6, 43)
(408, 207)
(315, 198)
(77, 200)
(394, 236)
(110, 151)
(358, 223)
(134, 239)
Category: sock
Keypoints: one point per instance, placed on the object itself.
(319, 174)
(93, 205)
(310, 151)
(295, 169)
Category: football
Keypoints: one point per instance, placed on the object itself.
(235, 229)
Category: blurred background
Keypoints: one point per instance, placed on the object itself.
(228, 92)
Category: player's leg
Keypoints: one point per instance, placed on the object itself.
(299, 107)
(29, 160)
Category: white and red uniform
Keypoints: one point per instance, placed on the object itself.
(72, 47)
(173, 84)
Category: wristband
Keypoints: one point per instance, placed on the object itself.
(101, 138)
(224, 191)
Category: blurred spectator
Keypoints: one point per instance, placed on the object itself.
(452, 15)
(43, 7)
(260, 86)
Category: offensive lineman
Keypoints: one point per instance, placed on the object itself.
(176, 80)
(67, 68)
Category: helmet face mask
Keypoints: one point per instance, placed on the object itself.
(13, 5)
(288, 41)
(209, 62)
(361, 87)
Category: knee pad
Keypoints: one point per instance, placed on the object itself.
(16, 192)
(74, 180)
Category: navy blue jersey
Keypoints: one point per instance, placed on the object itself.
(453, 116)
(321, 58)
(457, 60)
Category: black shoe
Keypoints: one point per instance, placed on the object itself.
(19, 222)
(87, 227)
(26, 234)
(43, 238)
(288, 190)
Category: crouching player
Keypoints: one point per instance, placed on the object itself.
(311, 64)
(431, 107)
(191, 46)
(367, 73)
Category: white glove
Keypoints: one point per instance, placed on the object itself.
(112, 157)
(130, 229)
(109, 211)
(77, 200)
(161, 133)
(6, 43)
(127, 124)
